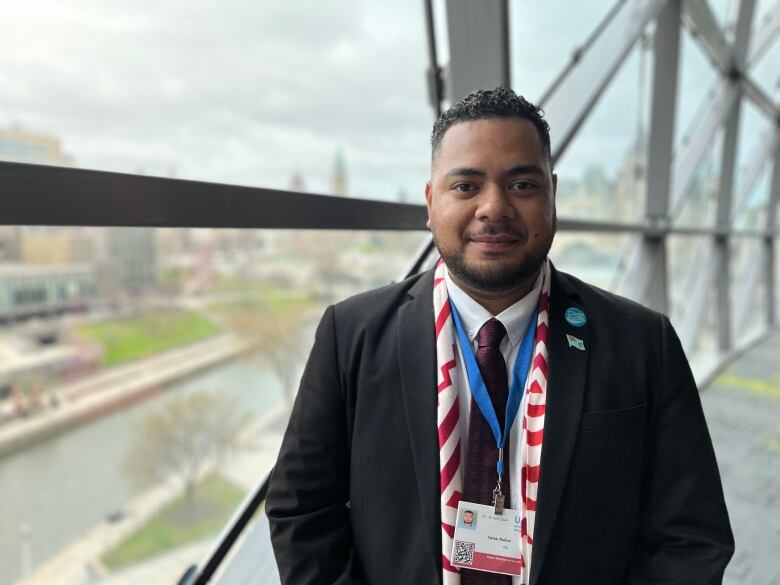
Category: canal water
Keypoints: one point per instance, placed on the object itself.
(62, 488)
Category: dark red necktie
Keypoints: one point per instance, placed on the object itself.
(482, 453)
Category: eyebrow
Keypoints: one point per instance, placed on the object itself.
(525, 170)
(514, 171)
(464, 172)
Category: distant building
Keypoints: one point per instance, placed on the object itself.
(339, 182)
(590, 197)
(631, 186)
(297, 183)
(134, 251)
(30, 290)
(10, 243)
(20, 145)
(59, 245)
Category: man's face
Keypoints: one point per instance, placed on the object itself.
(491, 203)
(468, 517)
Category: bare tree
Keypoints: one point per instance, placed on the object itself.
(184, 437)
(278, 337)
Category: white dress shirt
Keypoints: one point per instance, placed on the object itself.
(515, 320)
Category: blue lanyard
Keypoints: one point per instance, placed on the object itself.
(516, 389)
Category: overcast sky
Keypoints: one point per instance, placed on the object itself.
(251, 92)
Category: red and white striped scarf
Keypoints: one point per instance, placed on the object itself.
(448, 413)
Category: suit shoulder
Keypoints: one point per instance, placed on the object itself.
(379, 301)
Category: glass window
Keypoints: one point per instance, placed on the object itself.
(699, 203)
(762, 12)
(324, 98)
(755, 130)
(159, 400)
(697, 82)
(747, 289)
(602, 174)
(685, 257)
(543, 42)
(596, 258)
(764, 70)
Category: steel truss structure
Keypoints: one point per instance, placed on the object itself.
(478, 42)
(478, 36)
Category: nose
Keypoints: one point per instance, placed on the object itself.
(493, 204)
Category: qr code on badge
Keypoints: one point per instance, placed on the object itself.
(464, 553)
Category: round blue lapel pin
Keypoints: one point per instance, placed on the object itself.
(576, 317)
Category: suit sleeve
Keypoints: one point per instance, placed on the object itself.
(686, 533)
(309, 486)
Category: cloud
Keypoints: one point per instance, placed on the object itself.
(250, 92)
(228, 91)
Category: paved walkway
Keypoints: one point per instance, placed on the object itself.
(742, 407)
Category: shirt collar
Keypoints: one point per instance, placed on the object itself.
(514, 318)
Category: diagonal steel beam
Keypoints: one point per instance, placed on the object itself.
(753, 173)
(687, 163)
(758, 96)
(568, 105)
(700, 18)
(742, 33)
(764, 36)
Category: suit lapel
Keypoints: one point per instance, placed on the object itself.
(565, 394)
(417, 363)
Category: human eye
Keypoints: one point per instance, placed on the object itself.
(463, 188)
(522, 185)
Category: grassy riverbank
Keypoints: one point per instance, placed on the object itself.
(179, 523)
(130, 339)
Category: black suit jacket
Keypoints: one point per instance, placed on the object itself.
(629, 488)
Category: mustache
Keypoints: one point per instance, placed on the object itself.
(497, 230)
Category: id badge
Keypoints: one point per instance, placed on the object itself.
(486, 541)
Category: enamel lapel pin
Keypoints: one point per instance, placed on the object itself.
(577, 318)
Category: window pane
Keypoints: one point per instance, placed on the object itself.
(697, 82)
(699, 204)
(602, 173)
(130, 355)
(751, 207)
(328, 97)
(543, 41)
(748, 293)
(765, 72)
(687, 257)
(723, 11)
(598, 259)
(754, 132)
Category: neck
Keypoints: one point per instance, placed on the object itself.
(498, 301)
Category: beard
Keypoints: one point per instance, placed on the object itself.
(497, 277)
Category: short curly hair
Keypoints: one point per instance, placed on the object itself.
(500, 102)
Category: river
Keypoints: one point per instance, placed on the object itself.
(65, 486)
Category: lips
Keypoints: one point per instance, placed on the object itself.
(494, 243)
(498, 239)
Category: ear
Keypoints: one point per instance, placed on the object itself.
(554, 185)
(428, 195)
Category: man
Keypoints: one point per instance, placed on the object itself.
(608, 463)
(468, 519)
